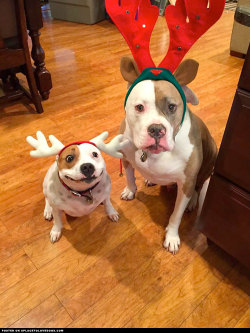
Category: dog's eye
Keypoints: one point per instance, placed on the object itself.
(69, 158)
(95, 154)
(172, 107)
(139, 108)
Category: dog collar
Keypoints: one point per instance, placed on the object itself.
(76, 143)
(156, 74)
(80, 193)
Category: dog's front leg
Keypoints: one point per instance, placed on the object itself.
(56, 230)
(172, 240)
(130, 190)
(110, 211)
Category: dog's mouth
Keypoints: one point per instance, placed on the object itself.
(156, 149)
(87, 180)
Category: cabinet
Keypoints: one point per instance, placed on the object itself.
(225, 217)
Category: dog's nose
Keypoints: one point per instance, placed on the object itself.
(156, 131)
(87, 169)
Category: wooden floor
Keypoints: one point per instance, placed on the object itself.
(102, 274)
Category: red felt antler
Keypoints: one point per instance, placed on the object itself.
(135, 19)
(187, 21)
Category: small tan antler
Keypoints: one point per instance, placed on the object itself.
(42, 149)
(114, 147)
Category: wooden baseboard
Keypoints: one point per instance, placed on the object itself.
(237, 54)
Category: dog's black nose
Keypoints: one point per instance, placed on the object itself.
(156, 131)
(87, 169)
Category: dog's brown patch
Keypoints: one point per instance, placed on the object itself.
(71, 150)
(166, 94)
(202, 160)
(122, 127)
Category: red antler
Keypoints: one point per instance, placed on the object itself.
(136, 20)
(187, 21)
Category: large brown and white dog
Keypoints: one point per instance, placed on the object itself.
(163, 150)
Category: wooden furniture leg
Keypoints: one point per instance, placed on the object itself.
(28, 67)
(42, 75)
(34, 24)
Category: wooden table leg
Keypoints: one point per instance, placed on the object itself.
(34, 24)
(42, 75)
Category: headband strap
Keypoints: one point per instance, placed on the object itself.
(76, 143)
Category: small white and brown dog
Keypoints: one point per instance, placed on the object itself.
(77, 182)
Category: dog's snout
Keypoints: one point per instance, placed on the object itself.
(156, 131)
(87, 169)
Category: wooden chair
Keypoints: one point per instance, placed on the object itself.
(18, 59)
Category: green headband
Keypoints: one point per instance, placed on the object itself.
(157, 74)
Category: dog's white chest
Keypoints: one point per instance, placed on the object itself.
(167, 167)
(72, 205)
(163, 169)
(78, 207)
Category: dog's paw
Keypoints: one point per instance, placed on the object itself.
(55, 234)
(127, 194)
(114, 216)
(148, 183)
(172, 243)
(48, 214)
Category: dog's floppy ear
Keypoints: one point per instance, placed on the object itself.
(129, 69)
(186, 72)
(190, 96)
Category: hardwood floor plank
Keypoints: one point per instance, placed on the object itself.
(20, 235)
(150, 263)
(244, 322)
(15, 269)
(222, 308)
(162, 277)
(239, 278)
(3, 229)
(184, 293)
(48, 314)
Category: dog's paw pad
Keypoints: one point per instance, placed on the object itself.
(172, 243)
(48, 216)
(127, 194)
(55, 235)
(114, 217)
(149, 183)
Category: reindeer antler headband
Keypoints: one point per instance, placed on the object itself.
(42, 149)
(187, 21)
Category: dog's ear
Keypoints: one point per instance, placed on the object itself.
(186, 72)
(190, 96)
(129, 69)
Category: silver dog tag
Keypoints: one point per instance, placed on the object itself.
(144, 156)
(89, 198)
